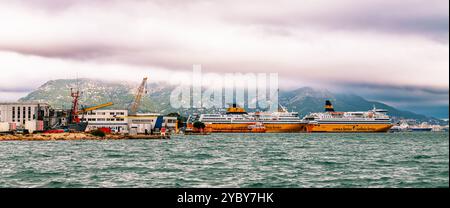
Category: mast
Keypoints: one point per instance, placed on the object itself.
(74, 111)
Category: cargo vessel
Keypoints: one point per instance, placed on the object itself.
(237, 120)
(375, 120)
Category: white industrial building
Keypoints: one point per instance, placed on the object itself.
(116, 120)
(120, 122)
(33, 117)
(151, 122)
(25, 115)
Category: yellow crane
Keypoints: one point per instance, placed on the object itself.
(104, 105)
(137, 99)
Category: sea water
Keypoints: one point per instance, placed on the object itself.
(232, 160)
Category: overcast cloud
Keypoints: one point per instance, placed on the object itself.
(333, 44)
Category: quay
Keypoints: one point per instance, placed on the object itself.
(75, 137)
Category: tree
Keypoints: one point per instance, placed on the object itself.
(199, 125)
(180, 119)
(173, 115)
(98, 133)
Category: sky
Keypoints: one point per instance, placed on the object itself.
(396, 52)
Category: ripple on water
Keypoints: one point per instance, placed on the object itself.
(232, 160)
(422, 157)
(203, 156)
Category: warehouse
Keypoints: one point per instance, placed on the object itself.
(29, 116)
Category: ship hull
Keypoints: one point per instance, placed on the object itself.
(78, 127)
(244, 128)
(421, 129)
(350, 128)
(285, 128)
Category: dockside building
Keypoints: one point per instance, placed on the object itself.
(25, 115)
(116, 120)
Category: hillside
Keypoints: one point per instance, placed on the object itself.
(306, 100)
(303, 100)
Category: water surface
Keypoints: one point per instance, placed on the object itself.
(232, 160)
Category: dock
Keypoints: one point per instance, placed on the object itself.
(75, 137)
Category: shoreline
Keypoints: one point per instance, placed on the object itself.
(75, 137)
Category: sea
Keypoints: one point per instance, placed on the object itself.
(377, 160)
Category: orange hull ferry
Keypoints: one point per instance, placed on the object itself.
(237, 120)
(375, 120)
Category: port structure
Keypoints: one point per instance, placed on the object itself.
(75, 94)
(75, 112)
(138, 97)
(104, 105)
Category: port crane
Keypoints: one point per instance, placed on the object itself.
(138, 98)
(137, 102)
(141, 91)
(75, 112)
(104, 105)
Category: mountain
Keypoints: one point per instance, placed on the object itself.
(303, 100)
(94, 92)
(306, 100)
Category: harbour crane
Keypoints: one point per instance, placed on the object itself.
(74, 121)
(138, 97)
(85, 110)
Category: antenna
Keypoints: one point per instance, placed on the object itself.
(78, 85)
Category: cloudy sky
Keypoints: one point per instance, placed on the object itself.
(392, 51)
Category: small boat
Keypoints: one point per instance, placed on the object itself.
(423, 127)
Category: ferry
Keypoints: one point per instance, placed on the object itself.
(423, 127)
(237, 120)
(375, 120)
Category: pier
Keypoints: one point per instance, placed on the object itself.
(75, 137)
